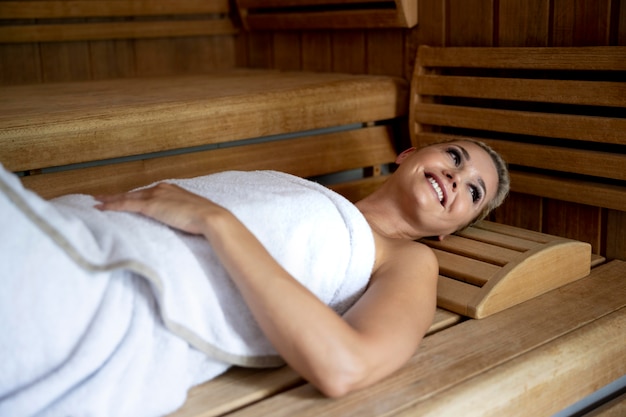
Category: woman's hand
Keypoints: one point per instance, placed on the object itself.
(167, 203)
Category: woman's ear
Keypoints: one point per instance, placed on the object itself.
(400, 158)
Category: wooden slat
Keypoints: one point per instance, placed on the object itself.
(465, 269)
(115, 30)
(596, 58)
(576, 191)
(240, 387)
(498, 239)
(587, 128)
(595, 93)
(580, 161)
(476, 250)
(518, 232)
(455, 295)
(454, 357)
(259, 4)
(325, 20)
(107, 8)
(555, 158)
(358, 189)
(330, 14)
(547, 377)
(47, 125)
(306, 157)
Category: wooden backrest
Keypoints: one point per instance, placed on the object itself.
(326, 14)
(557, 115)
(52, 21)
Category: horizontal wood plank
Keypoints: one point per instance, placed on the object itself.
(325, 20)
(261, 4)
(455, 295)
(556, 158)
(562, 126)
(240, 387)
(554, 376)
(446, 359)
(58, 124)
(566, 189)
(306, 157)
(593, 93)
(476, 250)
(358, 189)
(499, 239)
(465, 269)
(108, 8)
(592, 58)
(115, 30)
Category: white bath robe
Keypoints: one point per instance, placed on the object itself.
(114, 314)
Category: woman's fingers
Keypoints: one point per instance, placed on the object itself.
(164, 202)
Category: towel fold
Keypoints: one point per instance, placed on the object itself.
(70, 272)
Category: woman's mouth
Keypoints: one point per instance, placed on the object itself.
(436, 187)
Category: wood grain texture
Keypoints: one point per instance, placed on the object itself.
(240, 387)
(447, 359)
(129, 117)
(490, 267)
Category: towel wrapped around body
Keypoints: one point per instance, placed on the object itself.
(109, 313)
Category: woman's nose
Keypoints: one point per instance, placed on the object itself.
(453, 179)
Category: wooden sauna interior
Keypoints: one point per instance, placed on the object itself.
(364, 49)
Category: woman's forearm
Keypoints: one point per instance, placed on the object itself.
(311, 337)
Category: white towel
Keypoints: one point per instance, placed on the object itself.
(318, 236)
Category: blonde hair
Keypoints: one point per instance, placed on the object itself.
(504, 181)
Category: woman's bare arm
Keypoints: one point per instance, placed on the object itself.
(379, 333)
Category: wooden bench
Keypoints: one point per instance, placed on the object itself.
(106, 136)
(135, 131)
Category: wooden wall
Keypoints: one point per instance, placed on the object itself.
(469, 23)
(373, 51)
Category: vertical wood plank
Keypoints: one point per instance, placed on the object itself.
(520, 210)
(112, 59)
(581, 22)
(316, 51)
(20, 64)
(287, 52)
(349, 51)
(523, 22)
(615, 235)
(385, 52)
(430, 31)
(620, 10)
(65, 61)
(469, 22)
(573, 221)
(260, 52)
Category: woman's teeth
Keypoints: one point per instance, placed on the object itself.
(437, 188)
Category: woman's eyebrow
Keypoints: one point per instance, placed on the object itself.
(466, 154)
(482, 185)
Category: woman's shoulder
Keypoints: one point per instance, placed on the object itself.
(400, 257)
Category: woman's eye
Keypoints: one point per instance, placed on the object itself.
(455, 155)
(475, 193)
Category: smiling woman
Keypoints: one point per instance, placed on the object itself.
(256, 292)
(442, 188)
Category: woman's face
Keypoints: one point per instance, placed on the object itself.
(445, 186)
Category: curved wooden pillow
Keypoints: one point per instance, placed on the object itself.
(489, 267)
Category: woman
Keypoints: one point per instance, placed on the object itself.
(434, 192)
(105, 312)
